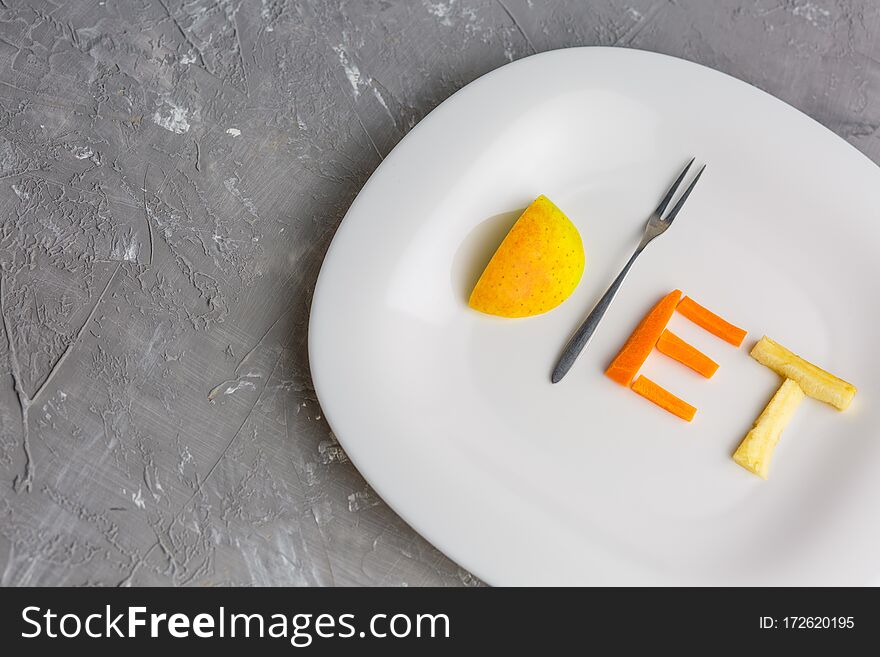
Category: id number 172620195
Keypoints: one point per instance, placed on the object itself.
(808, 623)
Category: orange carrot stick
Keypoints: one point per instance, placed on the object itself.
(677, 349)
(633, 354)
(663, 398)
(708, 320)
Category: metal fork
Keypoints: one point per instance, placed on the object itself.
(657, 225)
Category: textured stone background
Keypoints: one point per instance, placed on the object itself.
(171, 174)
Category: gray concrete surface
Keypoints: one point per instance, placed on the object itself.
(171, 174)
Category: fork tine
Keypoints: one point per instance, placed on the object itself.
(671, 192)
(674, 211)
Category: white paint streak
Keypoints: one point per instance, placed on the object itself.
(125, 251)
(362, 499)
(331, 452)
(131, 252)
(240, 385)
(379, 97)
(138, 499)
(186, 458)
(231, 185)
(266, 15)
(441, 10)
(810, 12)
(82, 152)
(352, 72)
(173, 117)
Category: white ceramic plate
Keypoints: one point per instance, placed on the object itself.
(450, 414)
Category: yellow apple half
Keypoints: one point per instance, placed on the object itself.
(537, 266)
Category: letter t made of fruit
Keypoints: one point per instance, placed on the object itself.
(801, 379)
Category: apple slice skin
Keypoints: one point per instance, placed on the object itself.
(537, 266)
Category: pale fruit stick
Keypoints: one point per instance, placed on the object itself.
(756, 449)
(813, 380)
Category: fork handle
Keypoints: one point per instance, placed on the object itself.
(585, 332)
